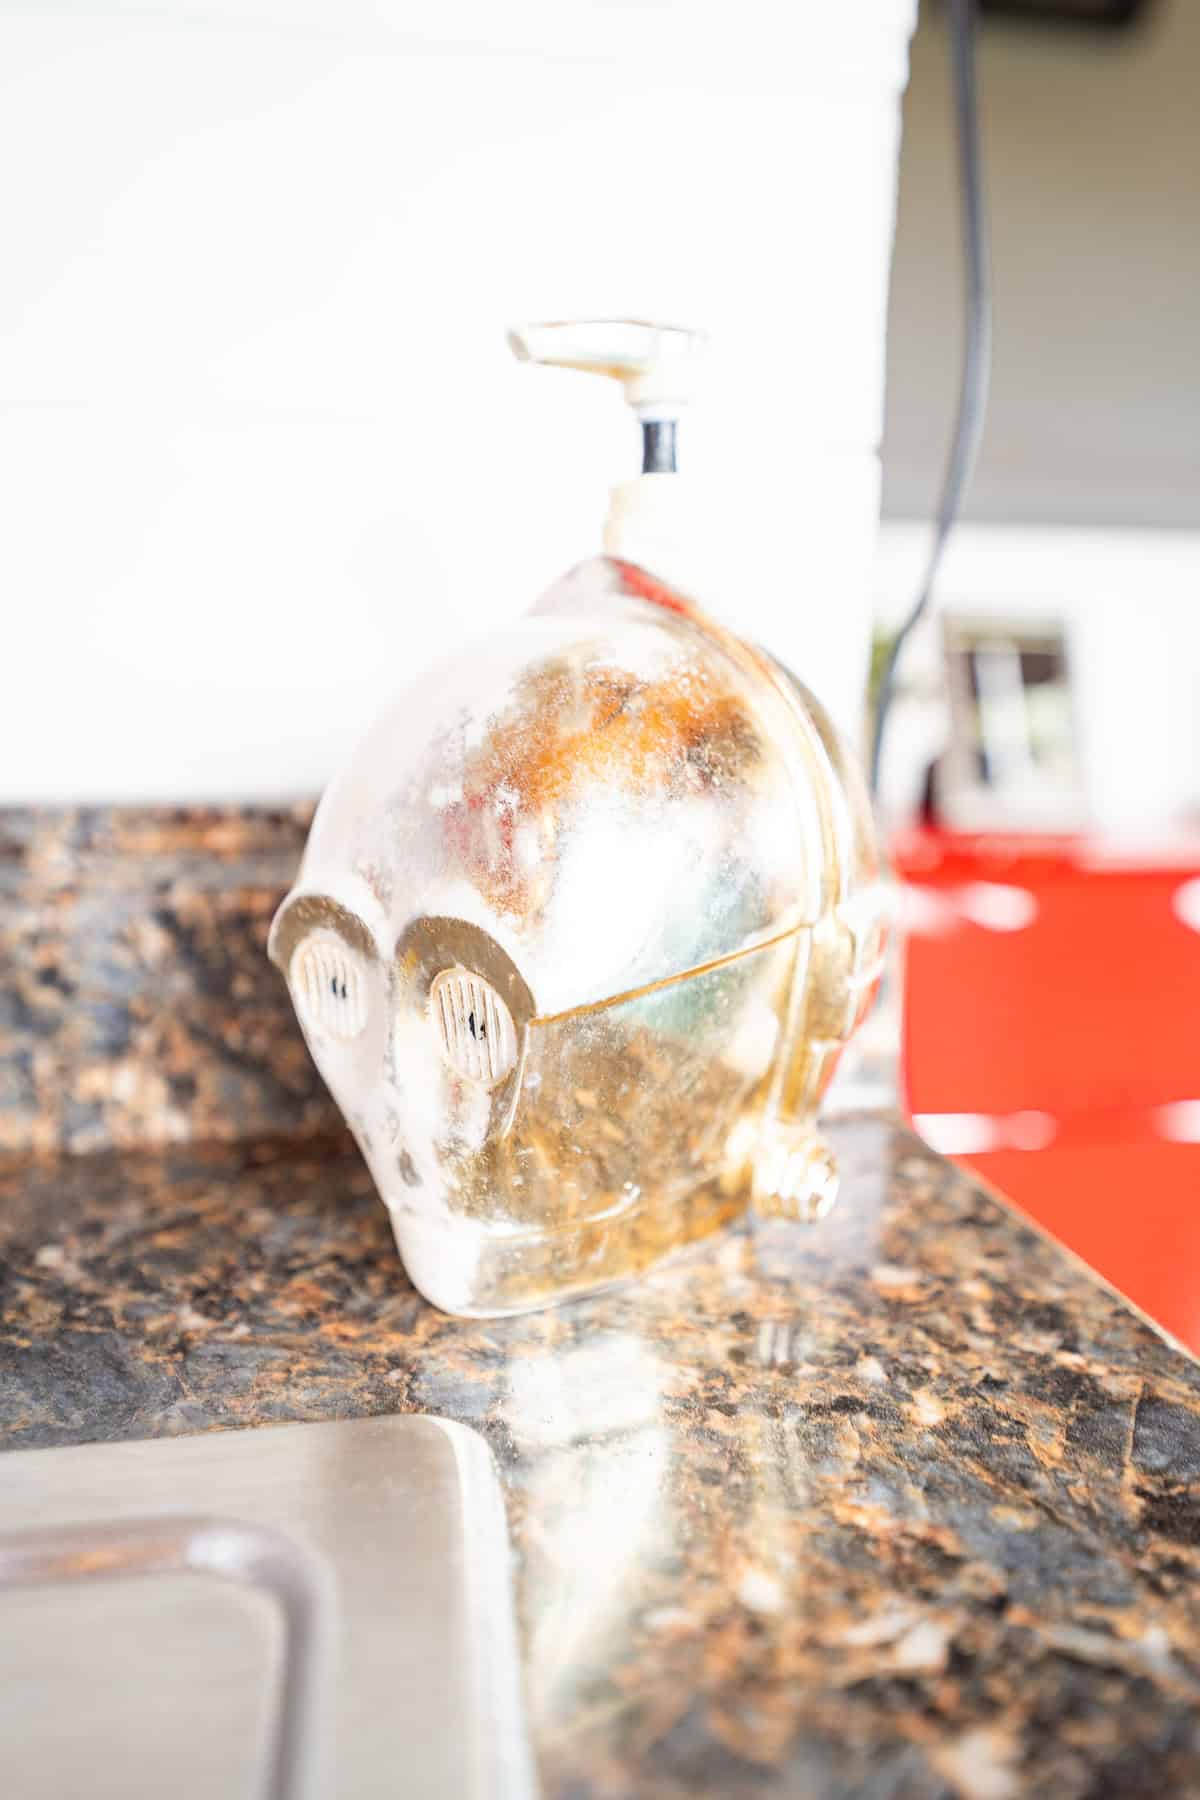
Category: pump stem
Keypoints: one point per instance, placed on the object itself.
(659, 456)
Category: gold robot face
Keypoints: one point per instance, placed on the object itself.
(552, 938)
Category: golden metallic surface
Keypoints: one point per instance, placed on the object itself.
(643, 836)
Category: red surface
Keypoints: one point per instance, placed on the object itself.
(1087, 1015)
(1131, 1210)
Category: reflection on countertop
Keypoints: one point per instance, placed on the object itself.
(903, 1505)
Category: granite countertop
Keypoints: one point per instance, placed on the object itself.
(904, 1505)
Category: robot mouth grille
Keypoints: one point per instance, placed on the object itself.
(474, 1027)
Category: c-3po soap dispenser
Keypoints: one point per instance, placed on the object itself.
(582, 929)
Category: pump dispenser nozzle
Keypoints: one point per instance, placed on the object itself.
(656, 365)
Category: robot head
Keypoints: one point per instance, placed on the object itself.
(545, 937)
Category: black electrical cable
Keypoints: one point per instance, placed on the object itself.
(976, 363)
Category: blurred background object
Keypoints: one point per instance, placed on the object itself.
(1042, 769)
(1012, 757)
(1118, 13)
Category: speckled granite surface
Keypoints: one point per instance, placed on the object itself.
(137, 1005)
(903, 1506)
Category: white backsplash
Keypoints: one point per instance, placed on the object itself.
(263, 450)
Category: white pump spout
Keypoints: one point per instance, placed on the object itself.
(656, 364)
(652, 518)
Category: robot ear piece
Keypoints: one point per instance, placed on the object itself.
(473, 1027)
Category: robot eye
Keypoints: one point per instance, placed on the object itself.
(474, 1027)
(328, 985)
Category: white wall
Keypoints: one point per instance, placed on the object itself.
(1092, 146)
(262, 449)
(1092, 152)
